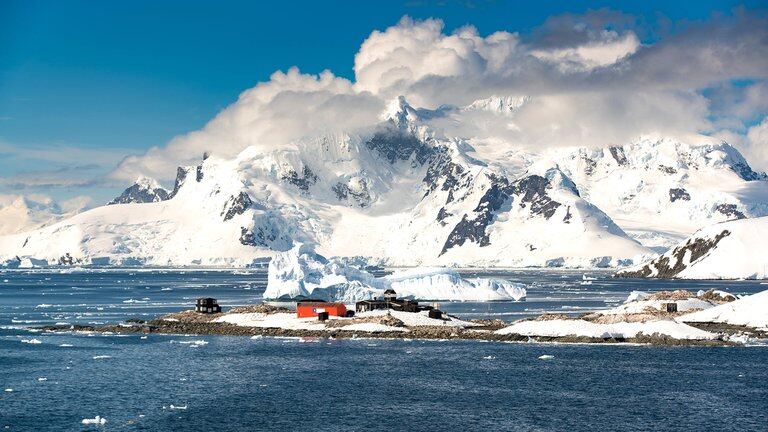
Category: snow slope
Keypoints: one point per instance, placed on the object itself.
(23, 213)
(581, 328)
(728, 250)
(751, 311)
(302, 273)
(661, 190)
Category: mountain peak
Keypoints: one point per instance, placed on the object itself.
(144, 190)
(400, 112)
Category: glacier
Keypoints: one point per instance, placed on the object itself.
(303, 273)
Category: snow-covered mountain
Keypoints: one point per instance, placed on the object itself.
(661, 190)
(145, 190)
(22, 213)
(406, 193)
(728, 250)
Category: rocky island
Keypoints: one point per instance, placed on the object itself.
(711, 318)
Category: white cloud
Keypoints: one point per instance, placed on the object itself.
(590, 84)
(287, 107)
(757, 145)
(608, 49)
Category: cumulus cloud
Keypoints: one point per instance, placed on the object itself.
(289, 106)
(589, 78)
(757, 144)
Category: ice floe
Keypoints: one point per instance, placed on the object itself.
(98, 420)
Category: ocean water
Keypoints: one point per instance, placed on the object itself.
(196, 383)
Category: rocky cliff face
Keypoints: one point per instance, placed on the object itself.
(143, 191)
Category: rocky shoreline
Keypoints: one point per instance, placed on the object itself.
(196, 324)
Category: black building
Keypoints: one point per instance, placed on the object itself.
(369, 305)
(207, 305)
(390, 301)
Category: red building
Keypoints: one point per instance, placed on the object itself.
(309, 309)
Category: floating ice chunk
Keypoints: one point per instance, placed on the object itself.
(66, 345)
(31, 341)
(490, 357)
(191, 343)
(178, 407)
(41, 379)
(546, 357)
(636, 296)
(98, 420)
(8, 390)
(300, 272)
(101, 357)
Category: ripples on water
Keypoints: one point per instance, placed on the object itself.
(159, 382)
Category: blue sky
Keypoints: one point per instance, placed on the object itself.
(83, 83)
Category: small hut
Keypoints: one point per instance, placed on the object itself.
(207, 305)
(390, 295)
(313, 308)
(369, 305)
(669, 307)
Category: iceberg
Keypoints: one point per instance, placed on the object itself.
(303, 273)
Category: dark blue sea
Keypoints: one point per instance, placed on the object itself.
(51, 382)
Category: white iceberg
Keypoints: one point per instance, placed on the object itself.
(303, 273)
(98, 420)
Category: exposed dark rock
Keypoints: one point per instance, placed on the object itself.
(445, 175)
(568, 215)
(442, 214)
(667, 169)
(618, 155)
(67, 259)
(303, 181)
(343, 193)
(534, 193)
(199, 175)
(236, 205)
(730, 210)
(745, 171)
(399, 145)
(181, 176)
(589, 164)
(262, 236)
(138, 193)
(679, 194)
(529, 192)
(665, 269)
